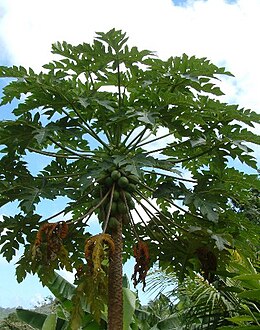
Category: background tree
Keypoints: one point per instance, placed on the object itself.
(139, 142)
(229, 299)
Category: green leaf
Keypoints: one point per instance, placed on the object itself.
(211, 88)
(243, 327)
(250, 294)
(34, 319)
(129, 300)
(85, 102)
(20, 273)
(106, 104)
(126, 283)
(248, 277)
(171, 322)
(30, 198)
(8, 251)
(16, 135)
(41, 135)
(240, 319)
(60, 287)
(50, 322)
(207, 209)
(250, 281)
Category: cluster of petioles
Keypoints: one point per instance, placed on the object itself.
(113, 194)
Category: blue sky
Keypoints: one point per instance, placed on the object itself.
(224, 31)
(184, 3)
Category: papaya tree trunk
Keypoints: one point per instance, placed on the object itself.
(115, 282)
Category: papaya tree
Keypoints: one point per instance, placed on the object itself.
(138, 143)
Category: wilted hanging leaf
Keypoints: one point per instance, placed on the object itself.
(98, 250)
(142, 258)
(48, 245)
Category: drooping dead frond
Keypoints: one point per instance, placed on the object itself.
(142, 258)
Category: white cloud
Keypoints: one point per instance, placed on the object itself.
(225, 33)
(37, 300)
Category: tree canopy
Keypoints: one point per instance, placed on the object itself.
(140, 143)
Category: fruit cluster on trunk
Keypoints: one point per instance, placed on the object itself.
(119, 187)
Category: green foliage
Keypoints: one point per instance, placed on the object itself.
(36, 320)
(129, 301)
(157, 315)
(230, 302)
(97, 113)
(68, 313)
(65, 314)
(245, 280)
(251, 206)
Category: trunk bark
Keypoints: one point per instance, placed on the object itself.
(115, 283)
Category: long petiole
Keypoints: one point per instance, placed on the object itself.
(155, 150)
(91, 210)
(51, 154)
(109, 209)
(159, 212)
(130, 217)
(119, 85)
(87, 128)
(177, 206)
(137, 137)
(143, 139)
(66, 149)
(145, 225)
(194, 157)
(182, 209)
(154, 140)
(69, 175)
(53, 216)
(91, 80)
(172, 145)
(172, 177)
(155, 217)
(128, 135)
(152, 217)
(109, 136)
